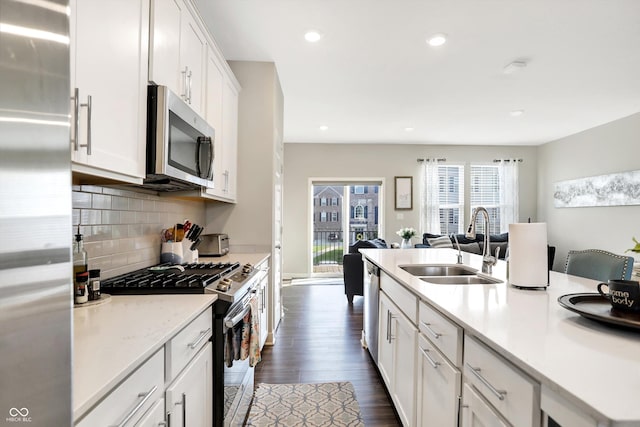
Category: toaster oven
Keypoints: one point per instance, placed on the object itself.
(216, 244)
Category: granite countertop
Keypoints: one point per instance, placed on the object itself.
(594, 365)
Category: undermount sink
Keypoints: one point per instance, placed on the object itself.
(461, 280)
(438, 270)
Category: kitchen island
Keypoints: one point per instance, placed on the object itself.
(588, 365)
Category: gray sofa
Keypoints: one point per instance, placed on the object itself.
(475, 246)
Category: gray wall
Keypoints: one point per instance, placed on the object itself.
(378, 161)
(613, 147)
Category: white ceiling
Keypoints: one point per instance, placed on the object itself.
(372, 74)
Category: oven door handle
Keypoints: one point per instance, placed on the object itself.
(229, 323)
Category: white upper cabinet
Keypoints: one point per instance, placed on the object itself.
(222, 114)
(109, 57)
(177, 57)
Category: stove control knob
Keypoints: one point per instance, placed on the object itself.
(247, 268)
(224, 285)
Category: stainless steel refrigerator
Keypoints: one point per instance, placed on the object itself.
(35, 214)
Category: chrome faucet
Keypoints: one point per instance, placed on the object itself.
(455, 238)
(488, 261)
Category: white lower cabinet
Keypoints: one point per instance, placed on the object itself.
(154, 416)
(557, 411)
(189, 397)
(397, 358)
(263, 307)
(477, 413)
(512, 393)
(438, 387)
(126, 404)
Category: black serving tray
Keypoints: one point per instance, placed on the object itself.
(596, 307)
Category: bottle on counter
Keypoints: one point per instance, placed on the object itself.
(94, 285)
(82, 291)
(80, 259)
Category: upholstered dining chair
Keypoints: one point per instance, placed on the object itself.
(599, 265)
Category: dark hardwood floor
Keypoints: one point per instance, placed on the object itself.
(319, 341)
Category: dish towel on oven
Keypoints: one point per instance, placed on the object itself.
(243, 340)
(253, 346)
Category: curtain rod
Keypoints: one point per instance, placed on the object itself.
(508, 160)
(431, 160)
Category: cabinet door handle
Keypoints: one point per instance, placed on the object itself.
(183, 403)
(435, 334)
(185, 95)
(189, 74)
(388, 326)
(497, 393)
(143, 399)
(88, 144)
(76, 118)
(200, 338)
(432, 362)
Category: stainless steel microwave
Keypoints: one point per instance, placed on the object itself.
(179, 144)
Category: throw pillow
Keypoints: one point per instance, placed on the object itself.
(440, 242)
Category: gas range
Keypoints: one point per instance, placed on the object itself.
(228, 280)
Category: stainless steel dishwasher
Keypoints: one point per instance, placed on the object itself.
(371, 299)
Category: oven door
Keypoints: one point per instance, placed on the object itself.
(238, 375)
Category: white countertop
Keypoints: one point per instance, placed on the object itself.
(593, 365)
(242, 258)
(111, 339)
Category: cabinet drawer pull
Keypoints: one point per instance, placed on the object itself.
(432, 362)
(498, 393)
(200, 338)
(144, 397)
(435, 334)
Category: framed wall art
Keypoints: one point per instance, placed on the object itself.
(404, 192)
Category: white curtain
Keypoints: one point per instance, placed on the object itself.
(509, 203)
(430, 200)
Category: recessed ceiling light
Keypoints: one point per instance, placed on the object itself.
(409, 129)
(324, 127)
(437, 39)
(312, 36)
(516, 113)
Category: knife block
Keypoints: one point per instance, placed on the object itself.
(171, 252)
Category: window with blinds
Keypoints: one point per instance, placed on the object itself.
(485, 191)
(451, 194)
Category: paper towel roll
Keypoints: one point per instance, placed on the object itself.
(528, 255)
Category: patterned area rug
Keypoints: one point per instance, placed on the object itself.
(308, 405)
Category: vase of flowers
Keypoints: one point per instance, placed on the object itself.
(406, 233)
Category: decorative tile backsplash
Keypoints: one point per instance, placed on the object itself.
(121, 227)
